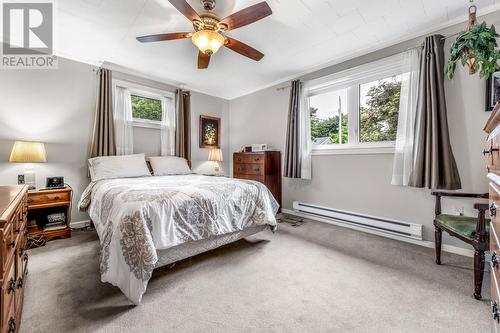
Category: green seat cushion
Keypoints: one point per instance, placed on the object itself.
(462, 225)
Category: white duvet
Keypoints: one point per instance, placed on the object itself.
(135, 217)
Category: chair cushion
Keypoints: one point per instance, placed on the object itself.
(462, 225)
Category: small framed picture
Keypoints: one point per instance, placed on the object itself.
(209, 132)
(493, 91)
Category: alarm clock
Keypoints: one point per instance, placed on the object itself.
(55, 182)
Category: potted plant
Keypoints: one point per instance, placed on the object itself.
(475, 48)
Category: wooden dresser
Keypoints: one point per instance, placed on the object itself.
(14, 258)
(264, 167)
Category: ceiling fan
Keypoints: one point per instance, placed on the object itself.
(209, 29)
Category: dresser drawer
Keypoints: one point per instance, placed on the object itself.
(249, 158)
(495, 248)
(492, 154)
(250, 177)
(44, 198)
(10, 325)
(8, 291)
(249, 169)
(9, 244)
(495, 301)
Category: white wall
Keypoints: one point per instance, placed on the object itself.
(57, 107)
(361, 183)
(211, 106)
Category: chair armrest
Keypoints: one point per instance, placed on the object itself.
(461, 195)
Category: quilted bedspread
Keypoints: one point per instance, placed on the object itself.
(135, 217)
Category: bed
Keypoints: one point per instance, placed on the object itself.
(148, 222)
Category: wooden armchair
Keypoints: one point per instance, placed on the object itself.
(472, 230)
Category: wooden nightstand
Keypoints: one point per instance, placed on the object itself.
(40, 205)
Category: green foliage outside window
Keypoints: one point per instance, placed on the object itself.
(146, 108)
(328, 127)
(378, 120)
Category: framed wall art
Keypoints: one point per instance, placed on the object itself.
(209, 132)
(493, 91)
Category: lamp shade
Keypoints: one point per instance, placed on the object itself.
(208, 41)
(215, 155)
(28, 152)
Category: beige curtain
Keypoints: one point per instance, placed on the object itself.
(103, 136)
(183, 125)
(434, 165)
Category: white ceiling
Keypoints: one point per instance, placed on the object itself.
(300, 36)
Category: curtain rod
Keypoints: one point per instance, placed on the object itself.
(410, 48)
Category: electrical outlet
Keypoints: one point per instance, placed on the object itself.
(460, 210)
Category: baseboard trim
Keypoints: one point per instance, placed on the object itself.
(424, 243)
(79, 224)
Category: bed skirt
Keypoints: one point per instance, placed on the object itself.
(190, 249)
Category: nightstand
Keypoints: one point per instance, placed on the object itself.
(42, 204)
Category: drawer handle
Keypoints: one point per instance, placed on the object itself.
(489, 151)
(56, 198)
(12, 244)
(493, 209)
(495, 311)
(495, 260)
(12, 286)
(20, 283)
(30, 201)
(12, 325)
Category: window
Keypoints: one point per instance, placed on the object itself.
(378, 110)
(356, 110)
(329, 118)
(145, 108)
(147, 104)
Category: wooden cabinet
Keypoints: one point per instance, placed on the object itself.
(41, 203)
(264, 167)
(14, 258)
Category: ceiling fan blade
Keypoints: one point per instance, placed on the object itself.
(243, 49)
(247, 16)
(161, 37)
(203, 60)
(185, 9)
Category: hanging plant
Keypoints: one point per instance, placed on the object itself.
(475, 48)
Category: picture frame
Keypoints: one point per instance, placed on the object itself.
(209, 132)
(492, 91)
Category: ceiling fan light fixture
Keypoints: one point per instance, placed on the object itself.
(208, 41)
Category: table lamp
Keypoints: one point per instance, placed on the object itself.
(28, 152)
(215, 155)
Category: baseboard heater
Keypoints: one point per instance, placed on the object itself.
(379, 224)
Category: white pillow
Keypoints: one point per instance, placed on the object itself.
(169, 165)
(122, 166)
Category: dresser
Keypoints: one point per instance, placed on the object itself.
(492, 159)
(14, 258)
(264, 167)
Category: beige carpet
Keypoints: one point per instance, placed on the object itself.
(315, 278)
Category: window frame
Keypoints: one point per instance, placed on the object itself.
(352, 79)
(146, 92)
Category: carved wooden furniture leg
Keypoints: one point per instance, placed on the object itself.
(438, 235)
(478, 273)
